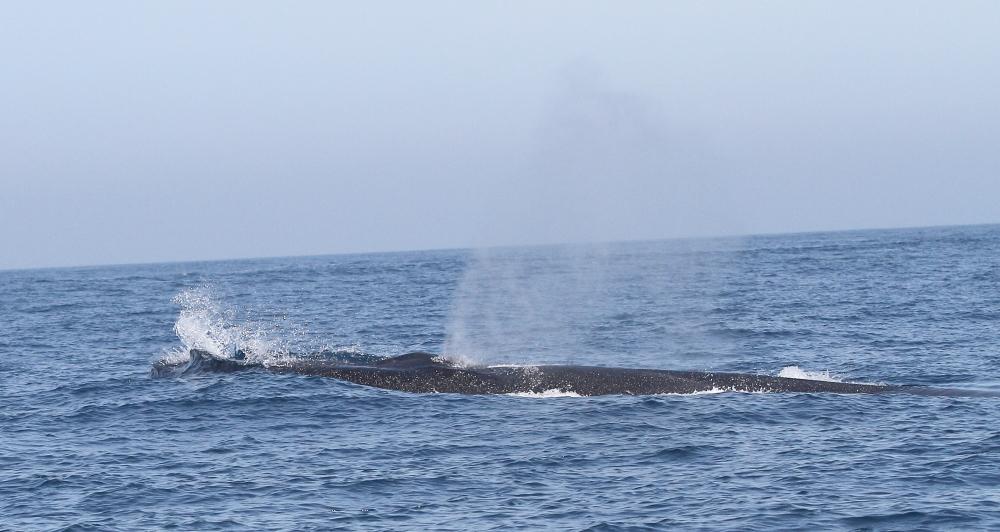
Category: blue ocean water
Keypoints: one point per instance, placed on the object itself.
(89, 441)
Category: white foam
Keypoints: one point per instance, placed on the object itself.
(795, 372)
(554, 392)
(702, 392)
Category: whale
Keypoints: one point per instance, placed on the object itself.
(421, 372)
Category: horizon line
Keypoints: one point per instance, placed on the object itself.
(491, 246)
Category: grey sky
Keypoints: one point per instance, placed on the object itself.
(149, 131)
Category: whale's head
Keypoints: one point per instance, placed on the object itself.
(199, 361)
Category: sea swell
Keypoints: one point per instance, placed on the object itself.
(88, 440)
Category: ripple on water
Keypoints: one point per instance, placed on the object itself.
(87, 440)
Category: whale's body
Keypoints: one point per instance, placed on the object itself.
(426, 373)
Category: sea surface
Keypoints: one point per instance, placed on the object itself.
(90, 441)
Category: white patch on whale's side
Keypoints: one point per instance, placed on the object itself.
(795, 372)
(555, 392)
(711, 391)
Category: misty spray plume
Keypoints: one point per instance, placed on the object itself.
(605, 162)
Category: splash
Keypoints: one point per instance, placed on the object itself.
(205, 324)
(795, 372)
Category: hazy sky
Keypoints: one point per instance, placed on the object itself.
(149, 131)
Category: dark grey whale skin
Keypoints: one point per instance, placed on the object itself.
(426, 373)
